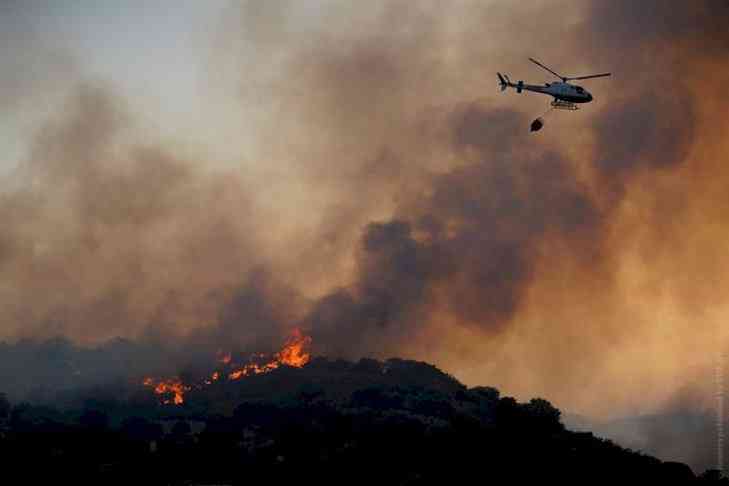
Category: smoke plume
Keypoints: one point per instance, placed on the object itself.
(392, 203)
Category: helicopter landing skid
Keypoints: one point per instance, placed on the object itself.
(564, 105)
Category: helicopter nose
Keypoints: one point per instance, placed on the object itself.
(589, 97)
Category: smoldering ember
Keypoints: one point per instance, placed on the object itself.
(325, 241)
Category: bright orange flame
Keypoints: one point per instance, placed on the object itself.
(165, 388)
(253, 369)
(293, 353)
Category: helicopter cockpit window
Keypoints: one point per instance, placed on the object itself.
(580, 90)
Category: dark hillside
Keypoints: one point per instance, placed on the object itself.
(396, 422)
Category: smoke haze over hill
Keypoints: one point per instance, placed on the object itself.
(351, 170)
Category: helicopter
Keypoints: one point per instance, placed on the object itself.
(566, 96)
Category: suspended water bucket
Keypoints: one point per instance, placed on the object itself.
(537, 124)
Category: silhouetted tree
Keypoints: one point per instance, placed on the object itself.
(544, 415)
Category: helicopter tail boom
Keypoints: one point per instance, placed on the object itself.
(505, 82)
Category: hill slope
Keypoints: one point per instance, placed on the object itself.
(331, 422)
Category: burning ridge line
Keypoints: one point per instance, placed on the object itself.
(293, 353)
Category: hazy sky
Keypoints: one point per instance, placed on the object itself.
(158, 55)
(154, 53)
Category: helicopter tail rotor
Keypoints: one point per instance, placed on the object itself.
(503, 83)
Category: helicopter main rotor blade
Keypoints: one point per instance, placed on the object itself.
(545, 67)
(589, 77)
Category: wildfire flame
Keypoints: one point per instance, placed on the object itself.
(171, 390)
(293, 353)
